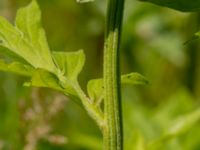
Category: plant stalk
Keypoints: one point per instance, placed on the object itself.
(113, 131)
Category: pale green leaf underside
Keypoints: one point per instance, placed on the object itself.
(95, 87)
(182, 5)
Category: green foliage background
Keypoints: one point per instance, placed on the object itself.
(152, 44)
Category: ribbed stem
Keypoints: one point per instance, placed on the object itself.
(113, 132)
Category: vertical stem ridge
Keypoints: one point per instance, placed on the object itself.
(113, 132)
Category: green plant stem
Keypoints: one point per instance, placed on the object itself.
(113, 132)
(94, 112)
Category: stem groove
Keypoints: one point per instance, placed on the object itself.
(113, 132)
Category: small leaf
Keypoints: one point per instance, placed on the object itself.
(70, 63)
(134, 78)
(16, 67)
(95, 87)
(182, 5)
(27, 39)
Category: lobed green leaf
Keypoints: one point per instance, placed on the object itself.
(27, 45)
(27, 39)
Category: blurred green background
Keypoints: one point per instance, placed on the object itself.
(152, 44)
